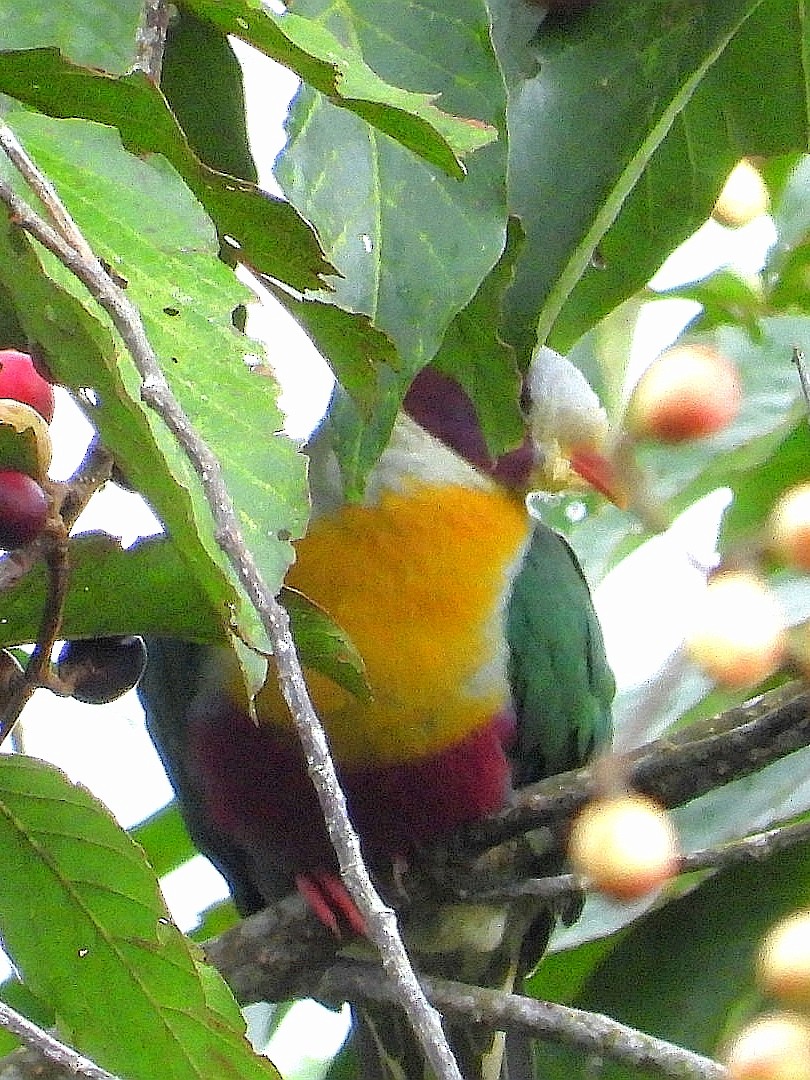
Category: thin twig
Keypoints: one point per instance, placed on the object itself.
(498, 1010)
(150, 40)
(753, 848)
(92, 474)
(45, 192)
(50, 1047)
(56, 558)
(380, 919)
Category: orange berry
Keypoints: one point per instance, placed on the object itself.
(773, 1047)
(739, 636)
(743, 198)
(689, 392)
(789, 527)
(783, 965)
(626, 845)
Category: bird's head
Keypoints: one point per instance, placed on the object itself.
(566, 428)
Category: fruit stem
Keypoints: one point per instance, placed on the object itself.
(37, 672)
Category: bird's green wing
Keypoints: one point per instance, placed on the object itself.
(562, 686)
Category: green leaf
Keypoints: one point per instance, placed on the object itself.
(69, 867)
(474, 354)
(19, 997)
(202, 80)
(788, 465)
(186, 296)
(625, 121)
(412, 245)
(324, 646)
(268, 233)
(700, 984)
(338, 70)
(725, 298)
(356, 349)
(162, 595)
(164, 839)
(96, 33)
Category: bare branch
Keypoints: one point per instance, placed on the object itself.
(281, 952)
(674, 769)
(69, 1062)
(150, 40)
(56, 558)
(67, 243)
(497, 1010)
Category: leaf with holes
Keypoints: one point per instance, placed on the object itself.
(80, 907)
(139, 217)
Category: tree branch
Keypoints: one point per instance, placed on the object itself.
(757, 846)
(69, 246)
(674, 769)
(497, 1010)
(43, 1044)
(150, 40)
(282, 952)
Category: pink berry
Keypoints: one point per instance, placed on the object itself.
(23, 509)
(20, 380)
(689, 392)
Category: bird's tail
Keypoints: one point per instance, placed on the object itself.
(483, 945)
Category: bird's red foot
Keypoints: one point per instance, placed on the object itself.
(328, 898)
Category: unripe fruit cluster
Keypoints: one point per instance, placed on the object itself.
(777, 1046)
(26, 408)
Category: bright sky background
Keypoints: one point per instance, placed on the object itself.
(106, 747)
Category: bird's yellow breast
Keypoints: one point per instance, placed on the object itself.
(419, 581)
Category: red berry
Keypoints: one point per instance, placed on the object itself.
(689, 392)
(23, 509)
(21, 381)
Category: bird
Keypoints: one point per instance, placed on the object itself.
(486, 670)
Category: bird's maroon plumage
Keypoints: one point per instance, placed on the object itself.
(255, 787)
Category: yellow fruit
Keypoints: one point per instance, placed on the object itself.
(689, 392)
(25, 442)
(626, 845)
(773, 1047)
(743, 198)
(783, 966)
(738, 636)
(789, 527)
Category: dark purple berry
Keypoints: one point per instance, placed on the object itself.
(99, 670)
